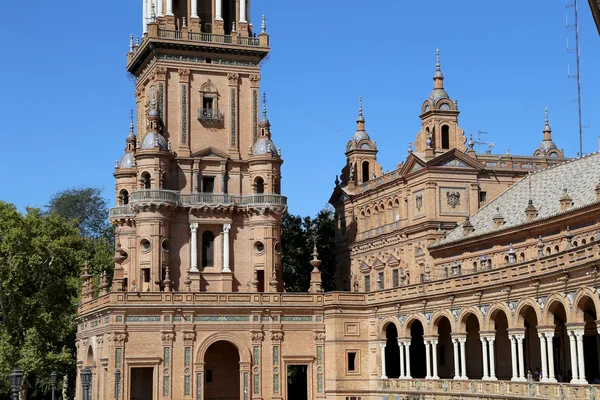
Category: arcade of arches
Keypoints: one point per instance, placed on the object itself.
(534, 341)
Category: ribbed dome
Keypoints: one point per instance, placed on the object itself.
(547, 145)
(126, 161)
(151, 138)
(360, 135)
(265, 146)
(437, 95)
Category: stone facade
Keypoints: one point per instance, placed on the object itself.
(457, 272)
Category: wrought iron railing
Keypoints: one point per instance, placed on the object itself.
(210, 115)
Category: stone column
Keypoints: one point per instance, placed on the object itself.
(401, 346)
(456, 368)
(159, 8)
(463, 358)
(484, 351)
(170, 7)
(194, 9)
(491, 340)
(144, 16)
(428, 359)
(218, 12)
(579, 337)
(549, 336)
(513, 354)
(226, 245)
(521, 358)
(575, 378)
(383, 374)
(543, 348)
(435, 359)
(243, 11)
(194, 248)
(407, 347)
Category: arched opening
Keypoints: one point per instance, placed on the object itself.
(474, 353)
(205, 15)
(489, 263)
(222, 372)
(365, 171)
(556, 249)
(474, 266)
(522, 257)
(146, 180)
(124, 197)
(259, 185)
(392, 352)
(502, 360)
(180, 11)
(445, 137)
(208, 249)
(229, 15)
(417, 350)
(548, 251)
(590, 340)
(445, 352)
(560, 343)
(531, 344)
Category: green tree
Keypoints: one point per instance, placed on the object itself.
(40, 263)
(298, 236)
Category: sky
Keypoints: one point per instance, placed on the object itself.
(66, 97)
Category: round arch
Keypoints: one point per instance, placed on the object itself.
(519, 314)
(492, 314)
(436, 319)
(90, 359)
(385, 324)
(243, 351)
(409, 321)
(582, 295)
(552, 301)
(464, 315)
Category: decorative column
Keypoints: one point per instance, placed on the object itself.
(233, 79)
(579, 337)
(170, 7)
(402, 372)
(491, 340)
(159, 8)
(189, 337)
(194, 247)
(513, 356)
(383, 374)
(255, 85)
(167, 341)
(484, 352)
(543, 348)
(194, 9)
(243, 11)
(456, 368)
(184, 83)
(257, 338)
(428, 359)
(144, 16)
(521, 358)
(463, 358)
(549, 337)
(276, 338)
(407, 347)
(575, 378)
(218, 8)
(226, 229)
(435, 359)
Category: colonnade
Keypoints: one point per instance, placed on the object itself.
(194, 247)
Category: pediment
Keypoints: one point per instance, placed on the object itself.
(412, 164)
(393, 261)
(455, 159)
(378, 264)
(211, 152)
(338, 195)
(364, 268)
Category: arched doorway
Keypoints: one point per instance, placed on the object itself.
(417, 350)
(561, 353)
(502, 361)
(392, 352)
(474, 353)
(222, 372)
(445, 349)
(590, 339)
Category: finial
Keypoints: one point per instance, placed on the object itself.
(263, 25)
(546, 111)
(410, 149)
(428, 142)
(360, 109)
(265, 104)
(437, 64)
(315, 254)
(185, 23)
(456, 104)
(546, 124)
(137, 41)
(131, 43)
(471, 142)
(153, 14)
(131, 120)
(233, 27)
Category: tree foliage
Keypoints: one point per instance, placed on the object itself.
(298, 236)
(40, 263)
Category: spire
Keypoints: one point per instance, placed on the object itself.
(360, 121)
(438, 78)
(547, 129)
(264, 121)
(131, 136)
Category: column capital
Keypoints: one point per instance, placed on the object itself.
(462, 340)
(194, 227)
(579, 333)
(382, 345)
(226, 228)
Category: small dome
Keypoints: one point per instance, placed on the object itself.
(153, 113)
(150, 139)
(360, 135)
(547, 145)
(126, 161)
(437, 95)
(265, 146)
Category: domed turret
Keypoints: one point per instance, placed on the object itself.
(438, 92)
(361, 133)
(153, 138)
(264, 145)
(127, 160)
(548, 147)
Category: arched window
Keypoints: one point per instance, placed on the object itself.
(180, 11)
(146, 180)
(474, 266)
(365, 171)
(124, 197)
(489, 263)
(229, 15)
(445, 137)
(522, 257)
(208, 249)
(259, 185)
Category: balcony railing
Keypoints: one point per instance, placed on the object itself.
(210, 115)
(155, 196)
(121, 211)
(209, 199)
(208, 37)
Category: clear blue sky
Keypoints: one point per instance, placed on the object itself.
(65, 96)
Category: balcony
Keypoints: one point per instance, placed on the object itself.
(155, 196)
(209, 115)
(121, 212)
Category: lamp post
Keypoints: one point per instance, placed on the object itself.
(16, 379)
(86, 378)
(53, 376)
(117, 384)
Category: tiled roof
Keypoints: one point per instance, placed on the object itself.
(579, 176)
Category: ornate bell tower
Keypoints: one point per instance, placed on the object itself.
(193, 212)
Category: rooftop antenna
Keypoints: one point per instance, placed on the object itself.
(577, 75)
(479, 142)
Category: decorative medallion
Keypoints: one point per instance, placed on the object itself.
(453, 199)
(472, 387)
(531, 389)
(233, 118)
(445, 385)
(419, 201)
(417, 385)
